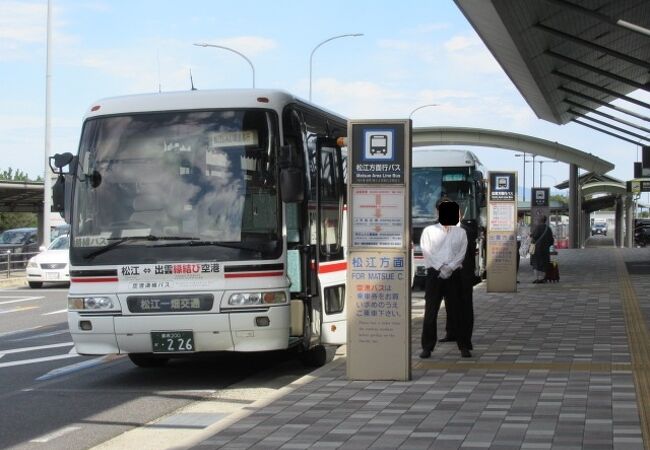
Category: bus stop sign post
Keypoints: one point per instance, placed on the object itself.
(502, 232)
(378, 294)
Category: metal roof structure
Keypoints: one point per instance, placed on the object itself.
(570, 58)
(589, 177)
(481, 137)
(21, 196)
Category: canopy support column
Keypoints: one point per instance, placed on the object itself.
(574, 208)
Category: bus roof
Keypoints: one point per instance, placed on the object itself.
(197, 100)
(439, 157)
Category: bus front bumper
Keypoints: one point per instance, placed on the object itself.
(234, 331)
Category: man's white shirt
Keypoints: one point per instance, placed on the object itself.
(443, 248)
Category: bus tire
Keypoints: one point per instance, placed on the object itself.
(315, 357)
(147, 360)
(35, 284)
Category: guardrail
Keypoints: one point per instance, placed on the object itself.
(14, 262)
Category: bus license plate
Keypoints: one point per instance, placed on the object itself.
(172, 341)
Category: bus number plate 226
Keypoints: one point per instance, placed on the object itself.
(172, 341)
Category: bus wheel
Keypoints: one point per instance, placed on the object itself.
(35, 284)
(315, 357)
(147, 360)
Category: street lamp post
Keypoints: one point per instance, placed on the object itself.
(203, 44)
(47, 179)
(311, 56)
(517, 155)
(541, 162)
(423, 106)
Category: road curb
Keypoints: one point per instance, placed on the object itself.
(169, 431)
(259, 404)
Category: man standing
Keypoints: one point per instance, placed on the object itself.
(462, 313)
(443, 247)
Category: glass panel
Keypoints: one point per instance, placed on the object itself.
(329, 202)
(334, 298)
(428, 184)
(207, 176)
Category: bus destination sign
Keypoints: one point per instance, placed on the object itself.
(378, 154)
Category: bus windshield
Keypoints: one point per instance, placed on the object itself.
(192, 179)
(428, 184)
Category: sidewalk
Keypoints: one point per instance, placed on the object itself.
(555, 366)
(13, 281)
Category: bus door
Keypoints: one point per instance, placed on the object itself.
(331, 261)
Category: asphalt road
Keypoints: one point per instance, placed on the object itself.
(53, 398)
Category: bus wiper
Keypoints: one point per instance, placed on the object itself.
(148, 237)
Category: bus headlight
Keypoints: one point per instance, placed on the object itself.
(257, 298)
(92, 304)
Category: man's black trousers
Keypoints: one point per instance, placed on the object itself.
(435, 290)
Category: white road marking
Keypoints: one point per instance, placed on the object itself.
(55, 434)
(75, 367)
(41, 335)
(31, 349)
(28, 299)
(60, 311)
(24, 330)
(25, 362)
(21, 309)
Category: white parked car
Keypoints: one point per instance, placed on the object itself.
(51, 265)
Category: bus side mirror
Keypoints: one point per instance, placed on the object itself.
(292, 180)
(61, 160)
(58, 195)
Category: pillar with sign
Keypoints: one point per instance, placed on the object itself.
(378, 293)
(539, 204)
(502, 232)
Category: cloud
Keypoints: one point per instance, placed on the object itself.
(470, 53)
(24, 25)
(22, 22)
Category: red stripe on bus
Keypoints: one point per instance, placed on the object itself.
(253, 274)
(94, 280)
(332, 267)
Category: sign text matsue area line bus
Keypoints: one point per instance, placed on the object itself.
(205, 221)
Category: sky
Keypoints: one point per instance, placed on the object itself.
(412, 53)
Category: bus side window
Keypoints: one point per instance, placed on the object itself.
(334, 299)
(330, 236)
(293, 223)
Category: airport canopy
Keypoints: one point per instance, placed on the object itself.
(480, 137)
(570, 58)
(589, 177)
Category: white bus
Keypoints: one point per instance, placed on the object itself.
(458, 175)
(206, 221)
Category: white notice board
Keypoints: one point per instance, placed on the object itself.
(378, 216)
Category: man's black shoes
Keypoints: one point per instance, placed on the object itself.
(448, 339)
(425, 354)
(465, 353)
